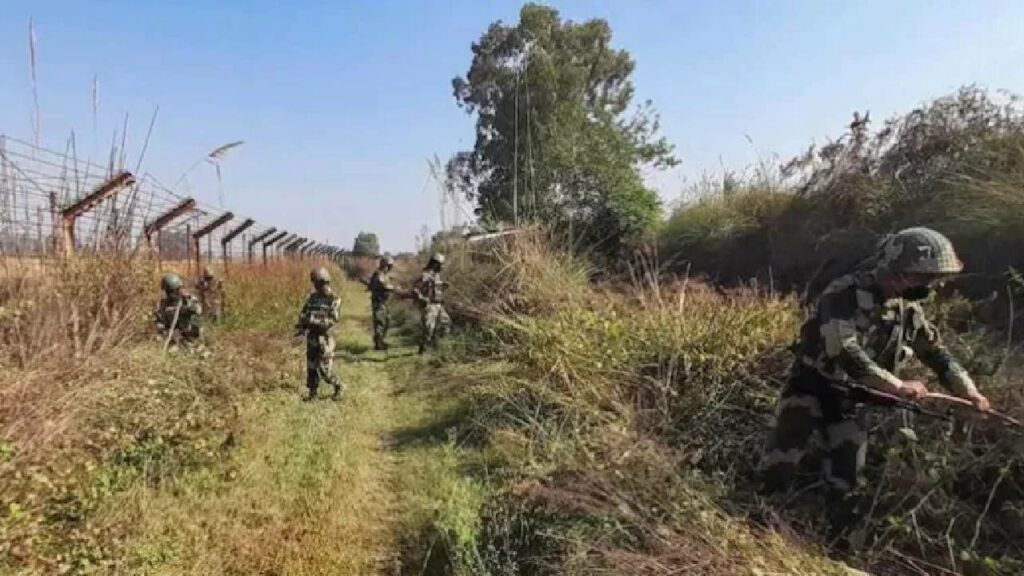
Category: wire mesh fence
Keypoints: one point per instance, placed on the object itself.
(56, 205)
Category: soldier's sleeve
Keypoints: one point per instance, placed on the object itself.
(335, 314)
(933, 353)
(158, 318)
(194, 306)
(304, 314)
(419, 286)
(842, 342)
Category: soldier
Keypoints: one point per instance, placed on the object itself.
(380, 288)
(178, 313)
(429, 293)
(211, 294)
(319, 314)
(865, 326)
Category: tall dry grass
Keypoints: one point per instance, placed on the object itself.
(631, 415)
(92, 411)
(954, 164)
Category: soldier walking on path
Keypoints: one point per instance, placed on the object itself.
(211, 294)
(865, 326)
(429, 293)
(381, 288)
(178, 314)
(319, 314)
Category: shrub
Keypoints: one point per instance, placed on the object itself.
(954, 164)
(632, 414)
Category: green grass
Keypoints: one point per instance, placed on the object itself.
(621, 430)
(361, 486)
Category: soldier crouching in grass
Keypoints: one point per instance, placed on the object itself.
(319, 314)
(864, 327)
(178, 315)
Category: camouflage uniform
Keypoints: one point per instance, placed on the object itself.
(319, 314)
(380, 288)
(429, 292)
(188, 326)
(211, 294)
(854, 334)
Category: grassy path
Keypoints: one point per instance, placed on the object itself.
(311, 488)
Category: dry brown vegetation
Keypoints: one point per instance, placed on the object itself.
(91, 406)
(627, 427)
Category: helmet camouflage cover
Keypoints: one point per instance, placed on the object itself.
(387, 260)
(170, 282)
(918, 251)
(208, 272)
(437, 257)
(320, 275)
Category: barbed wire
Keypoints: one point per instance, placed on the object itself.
(37, 186)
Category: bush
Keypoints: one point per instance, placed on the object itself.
(97, 408)
(954, 164)
(635, 416)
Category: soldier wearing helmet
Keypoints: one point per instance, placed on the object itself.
(429, 293)
(865, 326)
(178, 313)
(319, 314)
(211, 294)
(381, 288)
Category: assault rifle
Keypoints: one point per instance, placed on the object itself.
(932, 404)
(862, 394)
(301, 328)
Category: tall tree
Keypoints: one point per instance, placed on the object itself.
(366, 244)
(558, 139)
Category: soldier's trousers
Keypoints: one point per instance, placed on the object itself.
(799, 415)
(381, 322)
(320, 362)
(436, 324)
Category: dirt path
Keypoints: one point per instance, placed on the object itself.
(312, 487)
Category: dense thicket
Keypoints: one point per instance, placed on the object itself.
(955, 164)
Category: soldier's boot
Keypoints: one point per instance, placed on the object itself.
(333, 380)
(842, 516)
(378, 343)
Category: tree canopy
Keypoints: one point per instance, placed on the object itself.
(558, 139)
(366, 244)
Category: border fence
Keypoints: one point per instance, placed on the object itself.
(56, 205)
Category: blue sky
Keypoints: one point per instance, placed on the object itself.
(340, 103)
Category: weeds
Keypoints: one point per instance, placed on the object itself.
(628, 426)
(954, 164)
(93, 412)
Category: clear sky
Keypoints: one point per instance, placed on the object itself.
(340, 103)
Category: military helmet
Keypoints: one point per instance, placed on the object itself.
(208, 273)
(387, 260)
(170, 282)
(437, 257)
(320, 275)
(918, 250)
